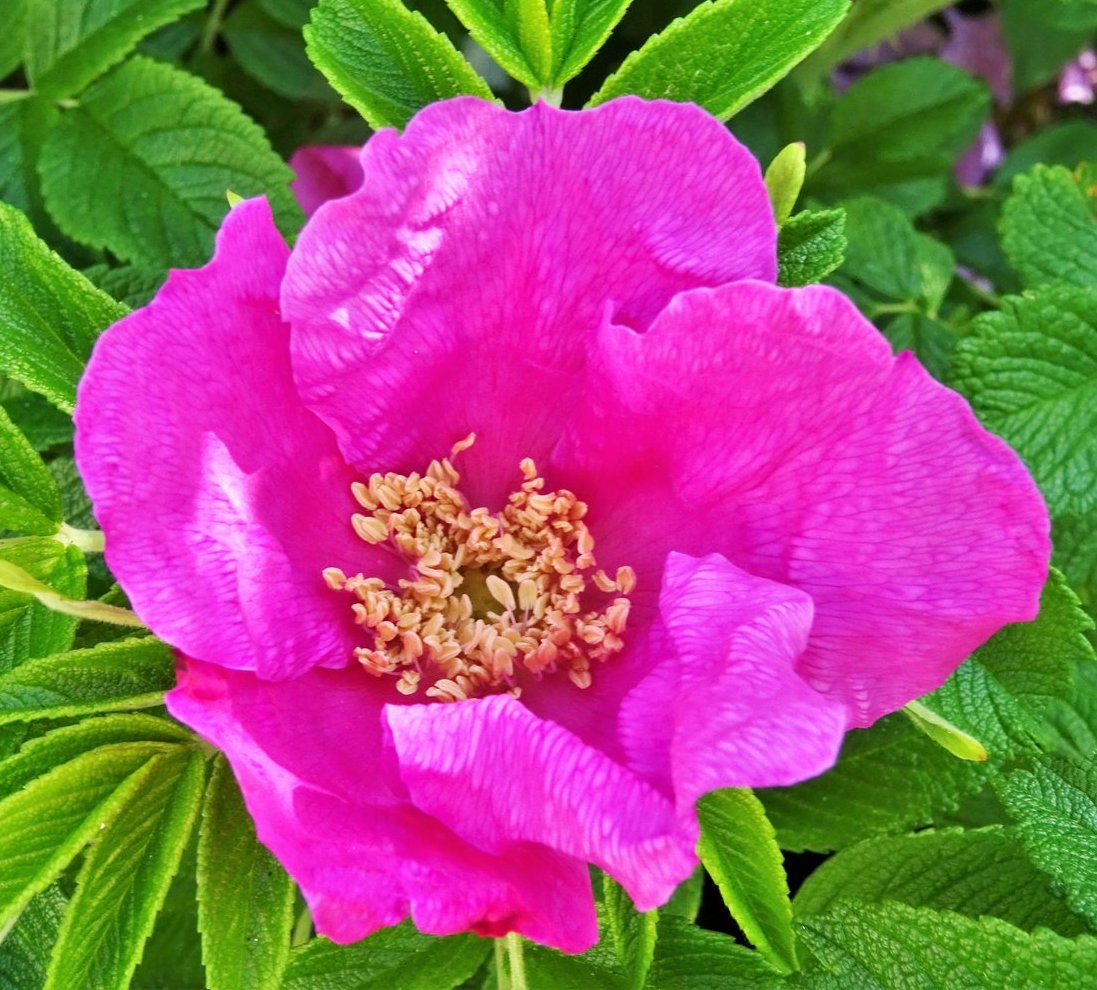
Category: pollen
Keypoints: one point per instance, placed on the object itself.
(493, 600)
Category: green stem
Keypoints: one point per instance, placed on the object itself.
(87, 540)
(17, 579)
(553, 97)
(212, 26)
(510, 963)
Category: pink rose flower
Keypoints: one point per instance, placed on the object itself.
(704, 526)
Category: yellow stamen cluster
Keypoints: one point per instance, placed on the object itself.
(492, 595)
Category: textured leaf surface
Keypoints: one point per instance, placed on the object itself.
(891, 945)
(977, 872)
(27, 628)
(1049, 228)
(810, 246)
(1030, 372)
(633, 934)
(29, 499)
(245, 898)
(385, 60)
(49, 314)
(25, 950)
(690, 958)
(141, 166)
(397, 956)
(48, 822)
(897, 132)
(890, 777)
(739, 849)
(1055, 806)
(1001, 694)
(725, 53)
(126, 875)
(41, 754)
(71, 42)
(128, 673)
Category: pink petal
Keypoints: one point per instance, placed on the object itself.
(459, 287)
(723, 705)
(316, 767)
(793, 443)
(221, 496)
(496, 775)
(324, 172)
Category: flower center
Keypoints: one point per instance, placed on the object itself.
(493, 597)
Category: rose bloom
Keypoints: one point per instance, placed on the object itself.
(516, 508)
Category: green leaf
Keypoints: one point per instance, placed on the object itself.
(126, 875)
(978, 872)
(173, 952)
(1049, 228)
(72, 42)
(1040, 38)
(49, 314)
(52, 818)
(632, 934)
(113, 676)
(810, 246)
(690, 958)
(848, 803)
(245, 898)
(44, 425)
(43, 753)
(397, 956)
(27, 628)
(579, 29)
(725, 53)
(931, 340)
(1070, 144)
(273, 54)
(1030, 372)
(13, 35)
(869, 22)
(685, 902)
(1055, 807)
(132, 285)
(1074, 721)
(29, 499)
(885, 946)
(1004, 690)
(739, 849)
(897, 132)
(24, 124)
(25, 950)
(1000, 695)
(541, 45)
(141, 165)
(385, 60)
(887, 256)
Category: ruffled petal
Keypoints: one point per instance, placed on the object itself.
(773, 426)
(324, 172)
(315, 763)
(497, 775)
(727, 646)
(458, 289)
(221, 496)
